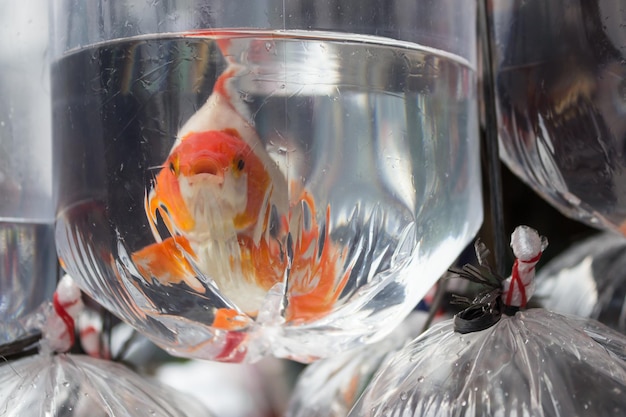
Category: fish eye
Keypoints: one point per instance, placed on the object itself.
(240, 164)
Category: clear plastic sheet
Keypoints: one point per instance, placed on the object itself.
(588, 280)
(536, 363)
(330, 387)
(77, 386)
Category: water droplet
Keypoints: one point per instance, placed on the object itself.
(268, 46)
(403, 396)
(586, 406)
(420, 379)
(66, 384)
(463, 403)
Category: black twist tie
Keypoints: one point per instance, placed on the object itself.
(20, 348)
(510, 310)
(476, 318)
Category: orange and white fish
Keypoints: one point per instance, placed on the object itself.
(225, 204)
(216, 199)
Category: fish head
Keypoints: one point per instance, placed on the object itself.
(212, 184)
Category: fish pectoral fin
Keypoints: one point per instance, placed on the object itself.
(230, 319)
(168, 263)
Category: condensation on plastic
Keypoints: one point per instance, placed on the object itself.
(536, 363)
(331, 386)
(588, 280)
(80, 386)
(560, 70)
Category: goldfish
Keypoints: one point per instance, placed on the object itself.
(226, 206)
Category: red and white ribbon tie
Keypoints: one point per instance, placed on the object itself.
(68, 314)
(527, 247)
(59, 329)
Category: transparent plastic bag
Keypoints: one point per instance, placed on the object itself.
(535, 363)
(77, 385)
(274, 197)
(588, 280)
(28, 260)
(330, 387)
(558, 80)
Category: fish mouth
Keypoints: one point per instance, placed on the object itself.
(206, 166)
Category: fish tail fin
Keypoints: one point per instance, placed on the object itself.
(316, 289)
